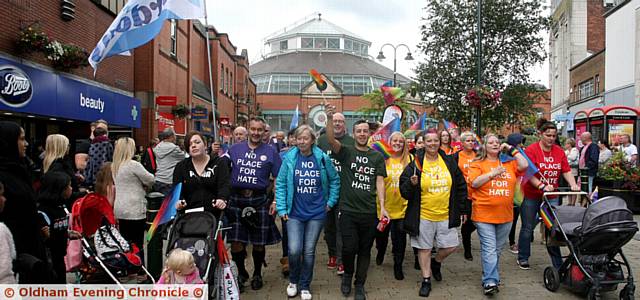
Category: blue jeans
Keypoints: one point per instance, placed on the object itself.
(528, 215)
(303, 237)
(492, 240)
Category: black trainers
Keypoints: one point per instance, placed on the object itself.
(467, 255)
(523, 264)
(256, 282)
(491, 289)
(359, 295)
(397, 271)
(435, 270)
(345, 287)
(379, 258)
(425, 289)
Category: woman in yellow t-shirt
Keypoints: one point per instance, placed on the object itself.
(395, 205)
(436, 194)
(493, 184)
(464, 159)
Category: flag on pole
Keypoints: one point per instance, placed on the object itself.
(294, 120)
(448, 125)
(167, 211)
(417, 127)
(321, 84)
(385, 131)
(391, 93)
(546, 215)
(384, 148)
(140, 21)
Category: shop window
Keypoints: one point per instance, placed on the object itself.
(307, 43)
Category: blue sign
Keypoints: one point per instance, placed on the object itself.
(30, 90)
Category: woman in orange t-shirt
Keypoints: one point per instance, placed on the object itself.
(493, 184)
(464, 159)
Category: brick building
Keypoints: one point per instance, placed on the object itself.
(283, 80)
(125, 89)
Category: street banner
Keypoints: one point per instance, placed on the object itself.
(140, 21)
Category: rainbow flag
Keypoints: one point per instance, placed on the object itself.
(167, 211)
(385, 131)
(383, 147)
(391, 93)
(546, 215)
(418, 164)
(524, 179)
(321, 84)
(448, 125)
(417, 127)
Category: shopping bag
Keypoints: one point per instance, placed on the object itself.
(228, 286)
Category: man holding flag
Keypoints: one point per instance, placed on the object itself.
(362, 178)
(332, 234)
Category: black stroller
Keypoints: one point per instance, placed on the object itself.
(198, 232)
(595, 236)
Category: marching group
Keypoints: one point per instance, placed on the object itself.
(425, 188)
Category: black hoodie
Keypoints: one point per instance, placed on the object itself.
(20, 213)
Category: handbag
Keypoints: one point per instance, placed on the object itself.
(108, 241)
(73, 259)
(227, 284)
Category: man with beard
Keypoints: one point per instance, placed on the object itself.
(361, 179)
(331, 229)
(250, 212)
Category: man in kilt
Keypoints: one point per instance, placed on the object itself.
(253, 163)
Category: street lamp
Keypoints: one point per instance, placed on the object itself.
(395, 48)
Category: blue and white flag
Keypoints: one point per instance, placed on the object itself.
(294, 120)
(140, 21)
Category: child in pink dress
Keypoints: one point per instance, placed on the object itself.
(180, 268)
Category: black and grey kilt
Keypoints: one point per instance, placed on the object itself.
(266, 234)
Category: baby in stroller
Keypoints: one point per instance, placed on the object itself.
(180, 268)
(595, 236)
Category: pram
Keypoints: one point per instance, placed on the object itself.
(198, 232)
(595, 236)
(94, 220)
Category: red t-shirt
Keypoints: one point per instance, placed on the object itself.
(551, 164)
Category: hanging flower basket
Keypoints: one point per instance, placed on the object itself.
(482, 96)
(31, 39)
(180, 111)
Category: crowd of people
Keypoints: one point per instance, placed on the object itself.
(333, 182)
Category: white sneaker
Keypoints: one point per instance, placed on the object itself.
(305, 295)
(292, 290)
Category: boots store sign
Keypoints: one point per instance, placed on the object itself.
(27, 89)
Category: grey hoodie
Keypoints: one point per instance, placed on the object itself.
(167, 156)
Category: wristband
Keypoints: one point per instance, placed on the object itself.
(513, 151)
(542, 186)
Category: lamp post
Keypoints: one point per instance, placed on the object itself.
(395, 48)
(479, 67)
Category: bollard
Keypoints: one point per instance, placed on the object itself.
(154, 246)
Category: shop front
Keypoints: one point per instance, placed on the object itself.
(607, 123)
(44, 102)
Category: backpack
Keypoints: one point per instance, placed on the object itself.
(149, 161)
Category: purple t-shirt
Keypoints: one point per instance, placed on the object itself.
(250, 169)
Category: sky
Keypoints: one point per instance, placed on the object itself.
(248, 22)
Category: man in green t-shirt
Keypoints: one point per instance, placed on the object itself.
(361, 179)
(332, 233)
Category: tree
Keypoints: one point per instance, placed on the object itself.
(377, 105)
(511, 43)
